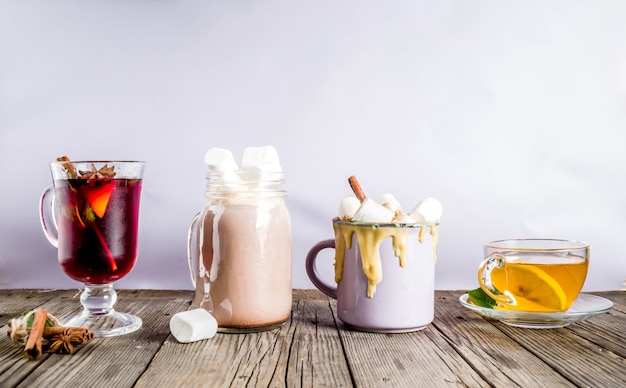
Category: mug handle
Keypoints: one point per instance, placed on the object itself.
(494, 260)
(47, 215)
(193, 255)
(311, 268)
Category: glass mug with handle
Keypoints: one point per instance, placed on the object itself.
(539, 275)
(91, 214)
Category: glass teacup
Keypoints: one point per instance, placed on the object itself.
(544, 275)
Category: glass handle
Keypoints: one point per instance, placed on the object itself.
(47, 216)
(484, 277)
(193, 255)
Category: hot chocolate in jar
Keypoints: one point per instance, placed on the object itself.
(240, 243)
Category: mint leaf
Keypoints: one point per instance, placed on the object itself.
(90, 216)
(480, 298)
(31, 319)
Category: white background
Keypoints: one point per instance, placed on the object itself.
(512, 114)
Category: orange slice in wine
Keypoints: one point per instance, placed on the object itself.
(98, 197)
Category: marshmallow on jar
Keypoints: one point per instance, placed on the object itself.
(219, 160)
(260, 166)
(240, 252)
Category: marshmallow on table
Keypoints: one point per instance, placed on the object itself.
(371, 211)
(193, 325)
(428, 210)
(348, 207)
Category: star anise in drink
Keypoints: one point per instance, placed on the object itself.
(104, 172)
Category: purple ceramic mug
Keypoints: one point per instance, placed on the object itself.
(384, 275)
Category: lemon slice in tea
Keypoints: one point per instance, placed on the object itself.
(530, 288)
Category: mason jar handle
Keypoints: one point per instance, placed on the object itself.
(193, 255)
(47, 215)
(494, 260)
(311, 268)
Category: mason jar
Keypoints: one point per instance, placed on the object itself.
(240, 251)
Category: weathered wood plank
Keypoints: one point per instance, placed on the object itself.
(314, 349)
(13, 366)
(14, 302)
(489, 351)
(117, 361)
(605, 330)
(156, 295)
(304, 352)
(403, 360)
(587, 363)
(316, 357)
(225, 360)
(417, 359)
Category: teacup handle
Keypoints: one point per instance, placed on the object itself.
(193, 255)
(494, 260)
(311, 268)
(47, 215)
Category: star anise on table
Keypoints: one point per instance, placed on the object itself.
(64, 342)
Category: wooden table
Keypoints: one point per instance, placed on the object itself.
(313, 349)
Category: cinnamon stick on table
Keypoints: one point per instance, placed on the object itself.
(32, 351)
(79, 335)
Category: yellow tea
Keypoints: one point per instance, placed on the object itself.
(536, 285)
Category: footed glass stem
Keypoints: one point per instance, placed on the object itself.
(98, 314)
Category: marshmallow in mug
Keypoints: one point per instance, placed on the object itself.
(390, 202)
(429, 210)
(372, 211)
(348, 207)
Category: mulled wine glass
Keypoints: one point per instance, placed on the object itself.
(91, 214)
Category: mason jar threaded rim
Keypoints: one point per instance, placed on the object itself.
(245, 183)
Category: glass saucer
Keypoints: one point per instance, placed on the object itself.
(585, 306)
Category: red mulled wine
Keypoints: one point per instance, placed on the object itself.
(98, 223)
